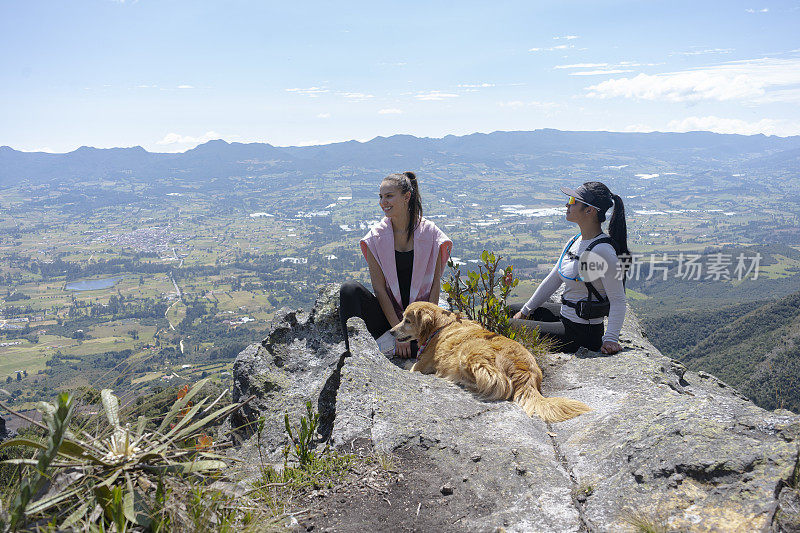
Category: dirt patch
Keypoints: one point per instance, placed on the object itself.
(409, 495)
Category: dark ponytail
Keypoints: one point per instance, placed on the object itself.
(618, 231)
(407, 182)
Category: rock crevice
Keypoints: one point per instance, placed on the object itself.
(579, 493)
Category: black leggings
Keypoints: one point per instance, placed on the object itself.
(569, 335)
(357, 300)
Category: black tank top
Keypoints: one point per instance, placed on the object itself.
(405, 264)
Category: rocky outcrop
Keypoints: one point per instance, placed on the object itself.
(298, 361)
(663, 447)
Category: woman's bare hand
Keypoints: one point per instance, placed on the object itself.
(402, 349)
(610, 347)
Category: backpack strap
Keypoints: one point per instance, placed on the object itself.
(590, 289)
(606, 240)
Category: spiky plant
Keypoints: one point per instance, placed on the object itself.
(117, 473)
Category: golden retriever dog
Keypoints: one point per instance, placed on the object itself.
(488, 364)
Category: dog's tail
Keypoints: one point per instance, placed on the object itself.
(555, 409)
(520, 382)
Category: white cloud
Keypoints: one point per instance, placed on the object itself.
(390, 111)
(185, 87)
(552, 48)
(764, 10)
(766, 126)
(780, 95)
(583, 65)
(434, 95)
(602, 68)
(175, 138)
(518, 104)
(324, 115)
(45, 149)
(597, 72)
(357, 96)
(567, 37)
(476, 85)
(639, 128)
(705, 51)
(311, 92)
(736, 80)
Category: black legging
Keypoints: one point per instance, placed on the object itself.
(357, 300)
(569, 335)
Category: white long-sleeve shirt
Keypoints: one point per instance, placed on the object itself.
(608, 285)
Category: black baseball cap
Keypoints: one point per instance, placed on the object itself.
(601, 202)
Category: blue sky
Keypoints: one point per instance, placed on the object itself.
(170, 74)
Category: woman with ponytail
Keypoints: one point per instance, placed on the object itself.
(406, 254)
(592, 267)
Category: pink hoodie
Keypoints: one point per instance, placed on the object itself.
(430, 245)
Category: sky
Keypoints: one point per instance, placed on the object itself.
(170, 74)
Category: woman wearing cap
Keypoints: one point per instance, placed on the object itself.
(406, 254)
(593, 279)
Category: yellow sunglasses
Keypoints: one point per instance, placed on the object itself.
(572, 200)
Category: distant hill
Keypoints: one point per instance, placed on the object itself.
(521, 151)
(754, 346)
(746, 333)
(675, 334)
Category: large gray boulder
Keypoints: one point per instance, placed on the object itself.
(663, 447)
(670, 447)
(298, 361)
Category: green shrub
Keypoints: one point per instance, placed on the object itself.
(482, 295)
(301, 445)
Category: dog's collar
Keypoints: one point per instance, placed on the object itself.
(424, 345)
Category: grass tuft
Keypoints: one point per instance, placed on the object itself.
(386, 461)
(583, 491)
(644, 523)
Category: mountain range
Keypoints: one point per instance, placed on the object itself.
(517, 151)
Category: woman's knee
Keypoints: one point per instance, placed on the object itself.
(349, 289)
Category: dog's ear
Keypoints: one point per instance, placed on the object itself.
(442, 317)
(426, 322)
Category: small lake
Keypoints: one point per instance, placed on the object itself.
(92, 284)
